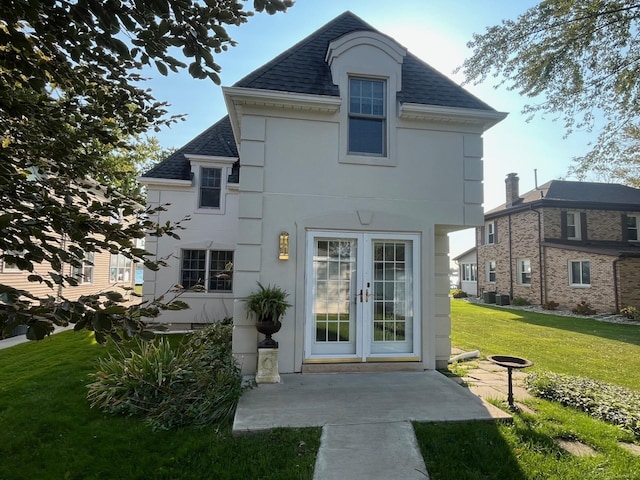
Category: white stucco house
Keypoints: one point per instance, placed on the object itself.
(341, 167)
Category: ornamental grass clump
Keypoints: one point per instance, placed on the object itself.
(611, 403)
(197, 383)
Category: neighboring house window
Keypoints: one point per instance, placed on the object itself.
(210, 187)
(632, 228)
(580, 273)
(8, 266)
(367, 117)
(524, 271)
(573, 225)
(491, 271)
(119, 268)
(84, 274)
(490, 229)
(211, 269)
(469, 272)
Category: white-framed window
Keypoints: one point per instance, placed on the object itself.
(579, 273)
(573, 225)
(210, 187)
(469, 272)
(119, 268)
(633, 222)
(491, 271)
(8, 265)
(210, 269)
(524, 271)
(490, 233)
(367, 117)
(84, 274)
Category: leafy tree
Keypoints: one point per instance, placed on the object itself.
(120, 166)
(71, 89)
(581, 59)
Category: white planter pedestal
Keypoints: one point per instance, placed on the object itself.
(267, 366)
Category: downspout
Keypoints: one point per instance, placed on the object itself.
(615, 283)
(510, 263)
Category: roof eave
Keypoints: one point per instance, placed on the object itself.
(484, 118)
(237, 97)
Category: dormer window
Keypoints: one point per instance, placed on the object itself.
(367, 117)
(210, 187)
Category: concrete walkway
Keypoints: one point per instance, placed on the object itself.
(365, 417)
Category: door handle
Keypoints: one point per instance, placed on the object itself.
(367, 296)
(359, 295)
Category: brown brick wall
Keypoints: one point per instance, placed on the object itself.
(600, 294)
(524, 244)
(601, 225)
(628, 271)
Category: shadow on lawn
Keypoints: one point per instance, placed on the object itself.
(461, 451)
(586, 326)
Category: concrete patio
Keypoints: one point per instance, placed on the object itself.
(365, 417)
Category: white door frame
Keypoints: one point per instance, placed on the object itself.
(361, 350)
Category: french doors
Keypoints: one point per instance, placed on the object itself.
(362, 297)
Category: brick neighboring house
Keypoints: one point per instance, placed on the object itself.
(564, 242)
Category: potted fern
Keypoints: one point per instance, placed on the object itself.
(267, 305)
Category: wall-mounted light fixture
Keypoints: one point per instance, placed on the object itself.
(284, 246)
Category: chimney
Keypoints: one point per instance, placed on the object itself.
(512, 189)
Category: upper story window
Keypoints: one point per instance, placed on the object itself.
(524, 271)
(210, 187)
(490, 232)
(633, 222)
(367, 117)
(573, 226)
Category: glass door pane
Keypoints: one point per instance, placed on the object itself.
(334, 285)
(392, 306)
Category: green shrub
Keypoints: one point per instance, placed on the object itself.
(614, 404)
(583, 308)
(631, 313)
(196, 384)
(520, 301)
(458, 293)
(550, 305)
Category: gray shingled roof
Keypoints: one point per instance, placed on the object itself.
(217, 141)
(578, 195)
(302, 69)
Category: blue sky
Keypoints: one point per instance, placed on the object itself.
(434, 30)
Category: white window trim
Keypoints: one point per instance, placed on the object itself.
(577, 225)
(468, 268)
(578, 285)
(382, 118)
(488, 271)
(521, 271)
(225, 164)
(78, 273)
(490, 233)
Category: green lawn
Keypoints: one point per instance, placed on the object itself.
(48, 431)
(528, 449)
(576, 346)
